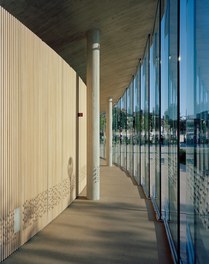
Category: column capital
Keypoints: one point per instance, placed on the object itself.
(93, 35)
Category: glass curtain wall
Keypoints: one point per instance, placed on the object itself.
(102, 134)
(165, 150)
(123, 130)
(145, 121)
(164, 109)
(130, 129)
(169, 117)
(194, 141)
(155, 114)
(201, 114)
(173, 176)
(136, 127)
(118, 134)
(115, 140)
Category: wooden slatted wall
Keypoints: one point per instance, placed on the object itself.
(37, 134)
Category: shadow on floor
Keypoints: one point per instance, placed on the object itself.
(119, 229)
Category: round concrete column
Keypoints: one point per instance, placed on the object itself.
(109, 133)
(93, 114)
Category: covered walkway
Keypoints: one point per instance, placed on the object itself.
(120, 228)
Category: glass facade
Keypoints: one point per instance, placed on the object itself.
(123, 131)
(130, 129)
(136, 128)
(169, 113)
(194, 143)
(154, 113)
(161, 125)
(102, 134)
(145, 180)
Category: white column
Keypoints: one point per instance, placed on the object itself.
(109, 133)
(93, 113)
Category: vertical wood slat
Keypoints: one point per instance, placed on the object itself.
(5, 128)
(8, 132)
(1, 135)
(37, 134)
(3, 143)
(82, 137)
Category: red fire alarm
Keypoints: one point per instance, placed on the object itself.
(80, 114)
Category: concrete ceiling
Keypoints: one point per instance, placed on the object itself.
(124, 25)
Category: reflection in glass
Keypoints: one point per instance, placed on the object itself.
(123, 130)
(154, 142)
(145, 121)
(102, 134)
(172, 125)
(154, 137)
(115, 134)
(164, 111)
(130, 129)
(169, 118)
(195, 132)
(136, 127)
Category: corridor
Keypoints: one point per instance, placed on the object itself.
(120, 228)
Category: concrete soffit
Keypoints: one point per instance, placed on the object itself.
(124, 26)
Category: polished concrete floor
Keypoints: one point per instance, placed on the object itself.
(120, 228)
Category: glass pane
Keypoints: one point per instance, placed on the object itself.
(164, 111)
(169, 118)
(117, 150)
(201, 106)
(172, 125)
(123, 130)
(115, 134)
(145, 122)
(195, 114)
(186, 152)
(102, 134)
(155, 115)
(129, 129)
(136, 128)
